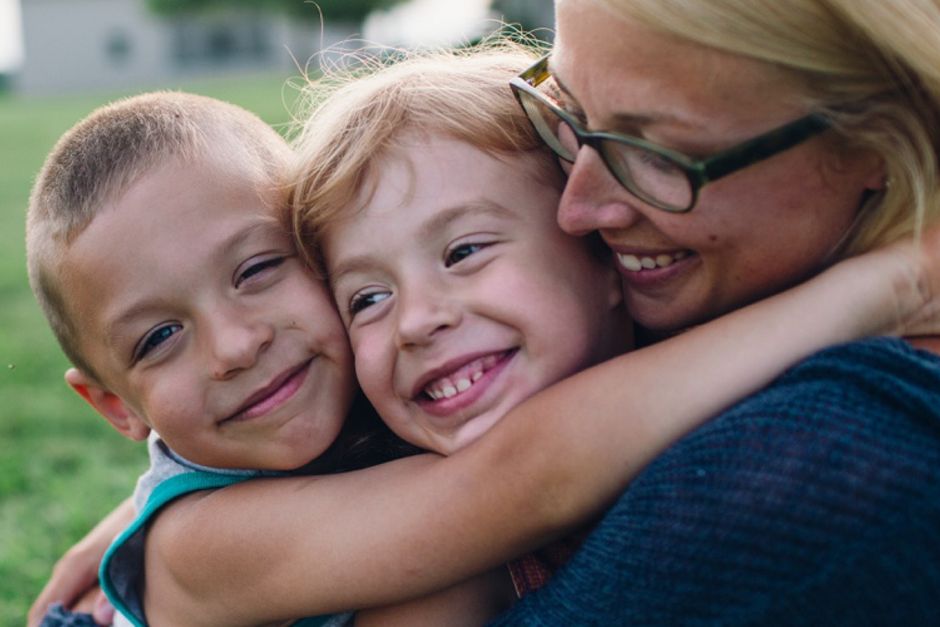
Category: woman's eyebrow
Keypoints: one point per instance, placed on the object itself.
(560, 83)
(633, 121)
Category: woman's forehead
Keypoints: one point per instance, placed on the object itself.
(615, 68)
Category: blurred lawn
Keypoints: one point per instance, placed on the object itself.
(61, 466)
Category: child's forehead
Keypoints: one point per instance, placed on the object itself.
(415, 205)
(175, 221)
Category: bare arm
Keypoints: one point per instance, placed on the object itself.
(470, 603)
(76, 573)
(298, 547)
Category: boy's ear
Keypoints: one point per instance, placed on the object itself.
(108, 404)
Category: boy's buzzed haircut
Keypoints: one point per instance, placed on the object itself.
(99, 158)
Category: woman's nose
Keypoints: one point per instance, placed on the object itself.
(593, 200)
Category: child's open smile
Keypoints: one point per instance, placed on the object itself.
(461, 295)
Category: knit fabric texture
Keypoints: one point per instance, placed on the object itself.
(814, 502)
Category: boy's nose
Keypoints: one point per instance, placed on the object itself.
(423, 312)
(236, 341)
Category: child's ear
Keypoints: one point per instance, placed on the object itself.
(108, 404)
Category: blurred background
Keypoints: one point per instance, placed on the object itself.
(61, 466)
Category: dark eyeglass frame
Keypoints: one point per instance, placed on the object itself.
(699, 172)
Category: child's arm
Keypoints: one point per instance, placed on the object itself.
(467, 604)
(77, 571)
(302, 546)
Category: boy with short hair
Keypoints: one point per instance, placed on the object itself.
(155, 253)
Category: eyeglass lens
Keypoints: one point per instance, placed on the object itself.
(653, 177)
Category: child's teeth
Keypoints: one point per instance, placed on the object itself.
(461, 380)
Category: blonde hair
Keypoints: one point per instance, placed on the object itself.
(356, 114)
(100, 157)
(871, 66)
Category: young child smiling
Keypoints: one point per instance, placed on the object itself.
(461, 295)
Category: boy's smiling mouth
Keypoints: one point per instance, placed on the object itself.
(459, 380)
(272, 395)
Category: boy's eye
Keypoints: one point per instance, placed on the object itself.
(155, 338)
(364, 300)
(460, 252)
(258, 267)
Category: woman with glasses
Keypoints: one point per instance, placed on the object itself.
(725, 150)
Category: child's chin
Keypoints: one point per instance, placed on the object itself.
(476, 428)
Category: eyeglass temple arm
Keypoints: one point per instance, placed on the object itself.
(763, 147)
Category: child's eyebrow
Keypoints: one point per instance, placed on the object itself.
(448, 215)
(439, 222)
(114, 329)
(126, 316)
(262, 227)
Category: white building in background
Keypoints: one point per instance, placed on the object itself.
(72, 45)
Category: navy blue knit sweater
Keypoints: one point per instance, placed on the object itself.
(813, 502)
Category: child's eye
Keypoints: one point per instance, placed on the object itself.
(364, 300)
(154, 339)
(461, 251)
(255, 268)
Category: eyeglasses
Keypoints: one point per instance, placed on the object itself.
(658, 176)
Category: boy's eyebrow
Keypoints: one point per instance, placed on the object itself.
(440, 221)
(263, 224)
(141, 307)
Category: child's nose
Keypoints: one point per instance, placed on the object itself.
(236, 342)
(422, 313)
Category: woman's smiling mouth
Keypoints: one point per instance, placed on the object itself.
(637, 263)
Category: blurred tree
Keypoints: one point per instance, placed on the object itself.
(531, 15)
(333, 10)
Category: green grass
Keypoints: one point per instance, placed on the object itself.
(61, 466)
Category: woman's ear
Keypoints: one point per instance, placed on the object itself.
(108, 404)
(877, 179)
